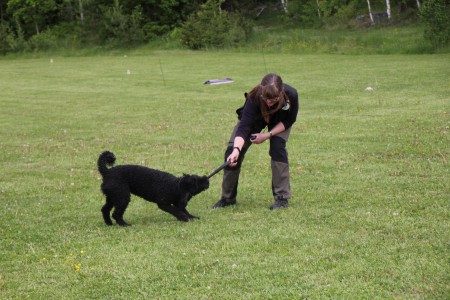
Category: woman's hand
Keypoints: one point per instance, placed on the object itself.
(233, 157)
(258, 138)
(237, 148)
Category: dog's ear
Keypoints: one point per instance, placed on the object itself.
(187, 182)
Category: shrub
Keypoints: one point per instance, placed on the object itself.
(212, 27)
(43, 41)
(153, 30)
(10, 41)
(304, 13)
(436, 16)
(5, 34)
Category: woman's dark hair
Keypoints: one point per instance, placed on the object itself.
(271, 87)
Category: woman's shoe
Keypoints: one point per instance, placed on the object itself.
(224, 202)
(279, 204)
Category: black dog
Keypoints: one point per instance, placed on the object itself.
(170, 193)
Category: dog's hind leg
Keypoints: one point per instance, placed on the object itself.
(121, 201)
(118, 214)
(174, 211)
(106, 210)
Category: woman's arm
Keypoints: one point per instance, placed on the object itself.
(262, 137)
(238, 144)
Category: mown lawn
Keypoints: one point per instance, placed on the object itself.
(369, 217)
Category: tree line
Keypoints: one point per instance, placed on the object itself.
(44, 24)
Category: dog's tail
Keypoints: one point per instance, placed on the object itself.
(105, 159)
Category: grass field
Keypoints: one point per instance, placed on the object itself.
(369, 217)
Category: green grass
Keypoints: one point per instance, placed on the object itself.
(377, 40)
(278, 37)
(369, 217)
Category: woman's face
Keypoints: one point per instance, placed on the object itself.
(272, 101)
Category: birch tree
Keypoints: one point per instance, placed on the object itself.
(284, 4)
(80, 6)
(388, 9)
(76, 8)
(318, 9)
(370, 12)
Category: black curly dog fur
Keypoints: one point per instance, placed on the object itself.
(170, 193)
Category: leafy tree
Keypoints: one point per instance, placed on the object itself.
(3, 10)
(36, 13)
(171, 13)
(436, 16)
(119, 28)
(75, 9)
(213, 27)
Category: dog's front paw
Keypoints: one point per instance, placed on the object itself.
(124, 224)
(183, 218)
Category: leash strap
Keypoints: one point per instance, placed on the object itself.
(219, 168)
